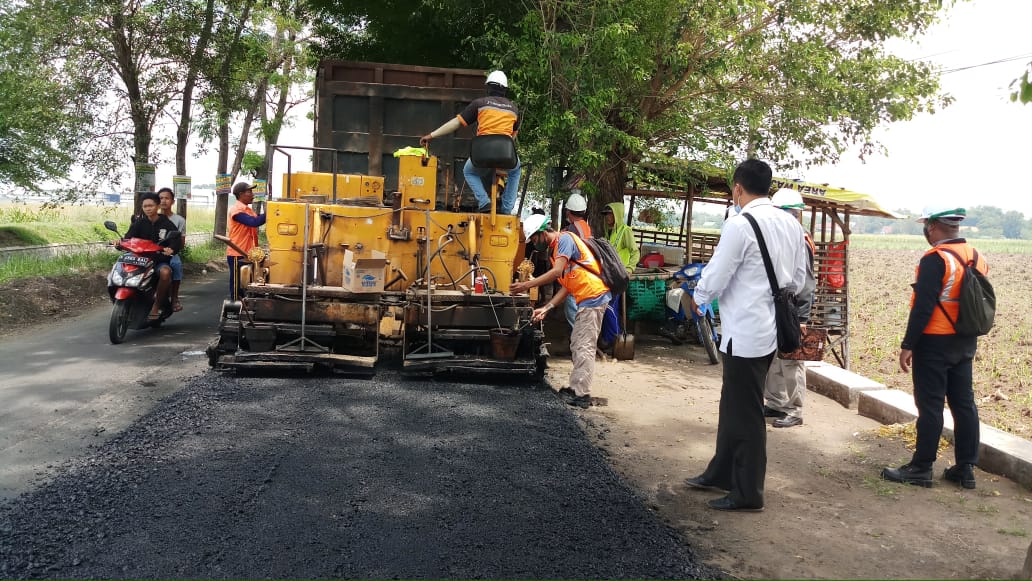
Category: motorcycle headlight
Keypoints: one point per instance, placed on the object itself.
(134, 280)
(115, 278)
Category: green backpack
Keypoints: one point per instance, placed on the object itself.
(977, 300)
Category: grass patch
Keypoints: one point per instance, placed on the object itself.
(880, 487)
(1013, 532)
(72, 264)
(204, 253)
(36, 225)
(15, 235)
(913, 242)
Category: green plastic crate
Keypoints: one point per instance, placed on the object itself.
(646, 299)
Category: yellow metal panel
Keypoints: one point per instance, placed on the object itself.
(305, 183)
(417, 181)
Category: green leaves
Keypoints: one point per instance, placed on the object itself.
(607, 84)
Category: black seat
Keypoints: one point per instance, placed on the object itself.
(493, 151)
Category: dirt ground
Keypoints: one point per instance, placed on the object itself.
(828, 514)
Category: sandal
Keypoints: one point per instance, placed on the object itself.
(177, 306)
(154, 316)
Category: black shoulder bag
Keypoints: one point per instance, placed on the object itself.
(785, 316)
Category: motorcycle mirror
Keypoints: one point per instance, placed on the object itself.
(111, 226)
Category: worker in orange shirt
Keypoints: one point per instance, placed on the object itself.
(243, 232)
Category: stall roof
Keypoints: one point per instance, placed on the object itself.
(713, 187)
(820, 194)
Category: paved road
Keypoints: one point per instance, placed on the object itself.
(65, 386)
(305, 476)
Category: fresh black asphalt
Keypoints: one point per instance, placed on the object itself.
(324, 477)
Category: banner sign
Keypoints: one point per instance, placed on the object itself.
(145, 177)
(181, 187)
(261, 190)
(224, 183)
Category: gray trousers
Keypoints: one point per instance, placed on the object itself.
(582, 347)
(786, 386)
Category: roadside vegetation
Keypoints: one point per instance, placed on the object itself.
(31, 225)
(34, 224)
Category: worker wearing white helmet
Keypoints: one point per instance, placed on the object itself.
(785, 386)
(574, 266)
(940, 357)
(576, 210)
(788, 199)
(494, 114)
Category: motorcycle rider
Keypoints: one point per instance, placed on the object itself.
(155, 227)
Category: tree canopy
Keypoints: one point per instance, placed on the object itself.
(607, 84)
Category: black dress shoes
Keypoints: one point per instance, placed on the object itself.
(725, 503)
(908, 474)
(962, 474)
(787, 422)
(772, 413)
(703, 483)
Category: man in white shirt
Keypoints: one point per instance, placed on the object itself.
(736, 276)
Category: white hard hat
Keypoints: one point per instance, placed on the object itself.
(497, 78)
(576, 203)
(788, 199)
(535, 223)
(948, 214)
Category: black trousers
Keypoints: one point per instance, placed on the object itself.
(942, 372)
(740, 462)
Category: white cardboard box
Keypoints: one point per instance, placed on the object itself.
(672, 255)
(364, 275)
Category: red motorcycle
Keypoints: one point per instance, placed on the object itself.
(132, 285)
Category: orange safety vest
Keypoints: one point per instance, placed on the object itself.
(951, 282)
(582, 228)
(246, 237)
(581, 283)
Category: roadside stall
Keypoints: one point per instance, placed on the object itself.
(827, 216)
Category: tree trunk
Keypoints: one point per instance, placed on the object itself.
(193, 71)
(610, 181)
(130, 75)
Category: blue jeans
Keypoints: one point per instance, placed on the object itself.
(177, 267)
(475, 176)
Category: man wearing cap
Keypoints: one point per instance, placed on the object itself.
(941, 359)
(494, 114)
(243, 232)
(785, 387)
(574, 266)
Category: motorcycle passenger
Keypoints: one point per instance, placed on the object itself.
(165, 208)
(494, 114)
(155, 227)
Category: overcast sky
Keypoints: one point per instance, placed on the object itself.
(975, 151)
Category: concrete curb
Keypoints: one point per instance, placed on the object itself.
(999, 452)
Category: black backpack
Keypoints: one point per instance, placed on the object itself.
(977, 300)
(613, 272)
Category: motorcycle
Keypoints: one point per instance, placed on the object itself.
(682, 321)
(133, 283)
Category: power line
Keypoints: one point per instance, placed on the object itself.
(996, 62)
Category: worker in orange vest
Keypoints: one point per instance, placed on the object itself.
(940, 357)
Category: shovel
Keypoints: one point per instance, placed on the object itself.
(623, 350)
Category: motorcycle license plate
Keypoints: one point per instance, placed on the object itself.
(134, 260)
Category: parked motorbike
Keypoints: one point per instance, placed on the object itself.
(683, 322)
(133, 283)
